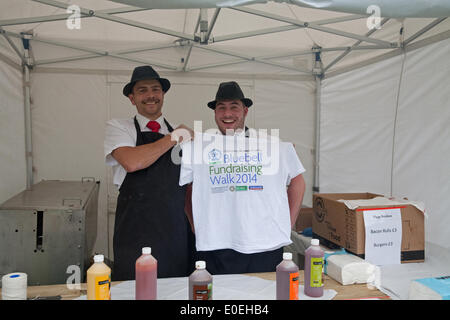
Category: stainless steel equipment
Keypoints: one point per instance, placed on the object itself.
(48, 228)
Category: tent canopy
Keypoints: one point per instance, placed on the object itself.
(283, 37)
(392, 9)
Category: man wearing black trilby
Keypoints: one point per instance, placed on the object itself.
(150, 205)
(226, 247)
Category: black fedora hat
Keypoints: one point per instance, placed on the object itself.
(145, 73)
(230, 91)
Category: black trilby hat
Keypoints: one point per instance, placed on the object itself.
(145, 73)
(229, 91)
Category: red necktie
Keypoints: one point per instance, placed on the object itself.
(153, 126)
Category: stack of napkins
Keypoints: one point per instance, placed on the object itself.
(350, 269)
(430, 289)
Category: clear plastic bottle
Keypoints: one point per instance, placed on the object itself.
(146, 275)
(313, 270)
(99, 280)
(200, 283)
(287, 278)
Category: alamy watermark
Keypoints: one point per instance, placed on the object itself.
(257, 150)
(73, 22)
(73, 282)
(374, 21)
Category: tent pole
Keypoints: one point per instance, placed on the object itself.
(95, 55)
(316, 186)
(27, 111)
(314, 26)
(281, 29)
(318, 73)
(213, 23)
(410, 47)
(100, 15)
(355, 46)
(248, 58)
(247, 34)
(425, 29)
(94, 51)
(13, 46)
(59, 17)
(185, 60)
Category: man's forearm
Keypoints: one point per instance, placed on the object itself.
(188, 206)
(140, 157)
(296, 191)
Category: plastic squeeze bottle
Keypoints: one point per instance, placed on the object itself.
(99, 280)
(200, 283)
(287, 278)
(146, 275)
(313, 270)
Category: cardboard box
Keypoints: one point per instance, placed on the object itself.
(304, 219)
(335, 225)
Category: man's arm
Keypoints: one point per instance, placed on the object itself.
(295, 191)
(188, 206)
(140, 157)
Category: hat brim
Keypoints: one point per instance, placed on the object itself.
(246, 101)
(165, 84)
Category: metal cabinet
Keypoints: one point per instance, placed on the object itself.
(48, 228)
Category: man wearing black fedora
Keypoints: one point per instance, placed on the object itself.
(243, 214)
(150, 205)
(230, 108)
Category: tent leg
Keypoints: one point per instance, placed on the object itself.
(317, 140)
(318, 72)
(27, 109)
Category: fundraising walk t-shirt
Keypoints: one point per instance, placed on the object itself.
(239, 195)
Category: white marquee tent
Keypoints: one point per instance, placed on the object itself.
(367, 109)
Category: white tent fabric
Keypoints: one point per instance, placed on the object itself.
(353, 145)
(401, 146)
(237, 43)
(12, 133)
(398, 8)
(77, 76)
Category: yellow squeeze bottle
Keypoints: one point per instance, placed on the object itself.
(99, 280)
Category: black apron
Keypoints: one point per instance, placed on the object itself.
(150, 213)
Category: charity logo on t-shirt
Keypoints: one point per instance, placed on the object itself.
(236, 163)
(237, 170)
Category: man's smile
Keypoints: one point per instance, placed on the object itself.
(228, 121)
(150, 102)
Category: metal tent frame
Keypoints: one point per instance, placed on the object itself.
(202, 39)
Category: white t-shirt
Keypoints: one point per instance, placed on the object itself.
(239, 195)
(122, 133)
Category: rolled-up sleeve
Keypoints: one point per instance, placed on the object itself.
(116, 136)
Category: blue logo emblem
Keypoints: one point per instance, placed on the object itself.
(214, 155)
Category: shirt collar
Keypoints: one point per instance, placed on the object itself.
(143, 120)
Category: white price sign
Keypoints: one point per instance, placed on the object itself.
(383, 235)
